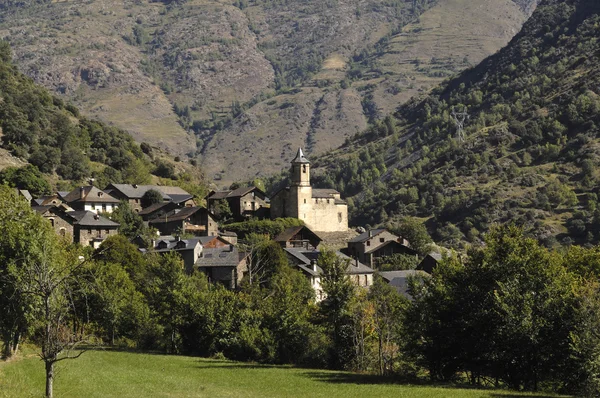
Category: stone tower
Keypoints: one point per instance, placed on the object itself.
(300, 189)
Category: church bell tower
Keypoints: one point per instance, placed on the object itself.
(300, 170)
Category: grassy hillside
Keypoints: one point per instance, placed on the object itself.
(530, 152)
(117, 374)
(215, 79)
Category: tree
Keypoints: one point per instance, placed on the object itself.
(131, 223)
(338, 290)
(221, 210)
(27, 177)
(16, 220)
(416, 234)
(150, 197)
(389, 309)
(45, 275)
(264, 256)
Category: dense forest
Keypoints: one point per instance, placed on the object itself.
(513, 139)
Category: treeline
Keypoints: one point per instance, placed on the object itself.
(532, 117)
(510, 313)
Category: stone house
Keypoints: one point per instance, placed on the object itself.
(298, 237)
(188, 249)
(322, 210)
(58, 218)
(375, 244)
(195, 220)
(224, 265)
(133, 194)
(307, 262)
(92, 199)
(244, 202)
(90, 228)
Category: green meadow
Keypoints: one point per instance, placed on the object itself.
(125, 375)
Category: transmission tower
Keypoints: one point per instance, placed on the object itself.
(459, 121)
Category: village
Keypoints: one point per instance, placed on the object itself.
(84, 216)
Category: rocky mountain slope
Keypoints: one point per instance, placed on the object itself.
(241, 84)
(528, 153)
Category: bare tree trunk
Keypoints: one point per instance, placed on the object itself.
(49, 378)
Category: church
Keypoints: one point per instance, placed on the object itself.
(322, 210)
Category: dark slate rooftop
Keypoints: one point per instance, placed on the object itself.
(324, 193)
(366, 235)
(239, 192)
(407, 249)
(90, 219)
(177, 215)
(90, 194)
(166, 245)
(137, 191)
(300, 158)
(304, 258)
(227, 256)
(399, 279)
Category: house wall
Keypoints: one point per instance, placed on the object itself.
(327, 217)
(60, 225)
(99, 207)
(83, 235)
(358, 249)
(190, 257)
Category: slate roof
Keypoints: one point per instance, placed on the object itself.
(86, 218)
(90, 194)
(239, 192)
(391, 242)
(291, 231)
(180, 198)
(166, 245)
(324, 193)
(300, 158)
(226, 256)
(137, 191)
(399, 279)
(152, 208)
(304, 258)
(365, 235)
(25, 193)
(177, 215)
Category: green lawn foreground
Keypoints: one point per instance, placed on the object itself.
(124, 375)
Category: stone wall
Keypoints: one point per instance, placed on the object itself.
(84, 235)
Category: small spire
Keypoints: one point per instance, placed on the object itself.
(300, 157)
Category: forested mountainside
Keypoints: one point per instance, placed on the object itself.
(531, 146)
(217, 79)
(68, 148)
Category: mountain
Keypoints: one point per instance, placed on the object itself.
(51, 135)
(216, 79)
(530, 149)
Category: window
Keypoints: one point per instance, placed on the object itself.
(340, 217)
(63, 232)
(104, 208)
(381, 240)
(304, 201)
(368, 243)
(304, 168)
(89, 230)
(52, 221)
(327, 201)
(107, 231)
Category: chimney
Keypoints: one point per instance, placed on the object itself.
(370, 233)
(313, 265)
(81, 193)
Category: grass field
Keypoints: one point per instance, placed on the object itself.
(124, 375)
